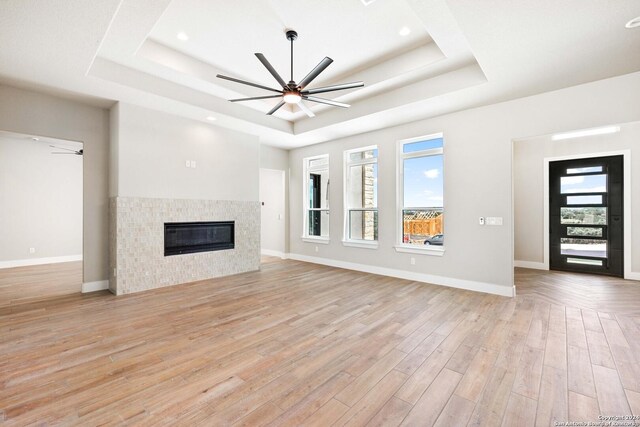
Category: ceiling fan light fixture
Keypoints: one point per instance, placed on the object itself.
(292, 97)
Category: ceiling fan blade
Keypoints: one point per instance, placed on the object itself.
(272, 70)
(276, 108)
(326, 101)
(331, 88)
(314, 73)
(306, 109)
(255, 97)
(220, 76)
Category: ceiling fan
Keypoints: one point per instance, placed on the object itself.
(292, 92)
(79, 152)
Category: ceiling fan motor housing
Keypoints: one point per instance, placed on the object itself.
(291, 35)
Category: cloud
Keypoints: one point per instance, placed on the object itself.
(436, 198)
(428, 192)
(432, 173)
(599, 189)
(572, 180)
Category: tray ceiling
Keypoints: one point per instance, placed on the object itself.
(457, 54)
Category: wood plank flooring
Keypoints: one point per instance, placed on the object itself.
(302, 344)
(586, 291)
(19, 285)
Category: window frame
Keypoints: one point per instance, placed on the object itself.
(347, 163)
(307, 169)
(400, 246)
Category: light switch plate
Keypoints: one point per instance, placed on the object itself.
(188, 163)
(494, 220)
(193, 164)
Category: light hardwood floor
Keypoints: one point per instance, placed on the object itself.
(303, 344)
(27, 284)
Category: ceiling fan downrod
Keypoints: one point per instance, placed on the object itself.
(291, 36)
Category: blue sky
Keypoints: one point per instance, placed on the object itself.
(423, 182)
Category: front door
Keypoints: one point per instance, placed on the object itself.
(586, 215)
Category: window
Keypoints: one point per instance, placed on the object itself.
(316, 197)
(361, 196)
(420, 194)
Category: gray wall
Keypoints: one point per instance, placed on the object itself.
(40, 200)
(151, 149)
(528, 181)
(33, 113)
(478, 178)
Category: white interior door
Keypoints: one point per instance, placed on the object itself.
(272, 223)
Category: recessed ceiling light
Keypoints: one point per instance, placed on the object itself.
(367, 2)
(35, 139)
(404, 31)
(211, 118)
(182, 36)
(635, 22)
(587, 132)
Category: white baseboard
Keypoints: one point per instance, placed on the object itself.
(530, 264)
(507, 291)
(269, 252)
(632, 276)
(100, 285)
(39, 261)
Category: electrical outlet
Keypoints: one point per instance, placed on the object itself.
(193, 164)
(187, 163)
(32, 250)
(316, 248)
(413, 261)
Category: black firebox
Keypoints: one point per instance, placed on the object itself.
(192, 237)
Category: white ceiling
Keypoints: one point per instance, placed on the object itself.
(229, 40)
(459, 54)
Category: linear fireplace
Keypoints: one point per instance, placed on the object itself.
(192, 237)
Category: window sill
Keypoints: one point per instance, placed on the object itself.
(428, 250)
(320, 240)
(360, 244)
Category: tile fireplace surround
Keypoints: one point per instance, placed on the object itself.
(136, 252)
